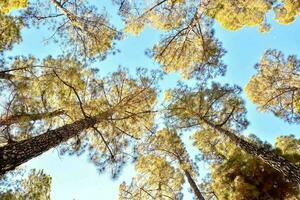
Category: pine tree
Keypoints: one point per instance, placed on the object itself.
(188, 45)
(221, 109)
(166, 145)
(37, 185)
(237, 175)
(156, 179)
(79, 27)
(276, 86)
(110, 112)
(10, 33)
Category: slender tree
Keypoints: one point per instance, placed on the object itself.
(238, 175)
(221, 109)
(168, 145)
(156, 179)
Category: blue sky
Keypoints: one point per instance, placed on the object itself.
(76, 178)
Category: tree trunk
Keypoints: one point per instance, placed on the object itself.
(66, 13)
(282, 165)
(6, 121)
(6, 76)
(193, 185)
(15, 154)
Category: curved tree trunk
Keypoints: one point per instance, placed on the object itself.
(15, 154)
(9, 120)
(193, 185)
(282, 165)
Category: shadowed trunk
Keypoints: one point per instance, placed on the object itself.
(15, 154)
(282, 165)
(6, 76)
(9, 120)
(193, 185)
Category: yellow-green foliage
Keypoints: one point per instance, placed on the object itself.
(188, 107)
(65, 84)
(276, 86)
(190, 53)
(287, 12)
(289, 147)
(36, 186)
(95, 36)
(235, 14)
(162, 15)
(189, 46)
(10, 32)
(8, 5)
(167, 143)
(236, 175)
(156, 179)
(85, 32)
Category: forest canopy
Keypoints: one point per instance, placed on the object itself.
(188, 138)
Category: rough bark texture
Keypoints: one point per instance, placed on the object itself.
(282, 165)
(15, 154)
(9, 120)
(193, 185)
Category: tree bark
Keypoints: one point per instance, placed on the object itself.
(290, 171)
(64, 11)
(6, 121)
(6, 76)
(193, 185)
(15, 154)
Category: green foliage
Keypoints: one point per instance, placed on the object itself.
(80, 27)
(36, 186)
(221, 105)
(65, 86)
(276, 86)
(10, 32)
(238, 175)
(156, 179)
(231, 14)
(289, 147)
(165, 148)
(188, 45)
(192, 51)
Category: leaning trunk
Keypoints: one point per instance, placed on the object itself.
(6, 76)
(282, 165)
(193, 185)
(15, 154)
(9, 120)
(67, 13)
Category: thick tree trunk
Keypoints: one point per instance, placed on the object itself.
(9, 120)
(193, 185)
(15, 154)
(282, 165)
